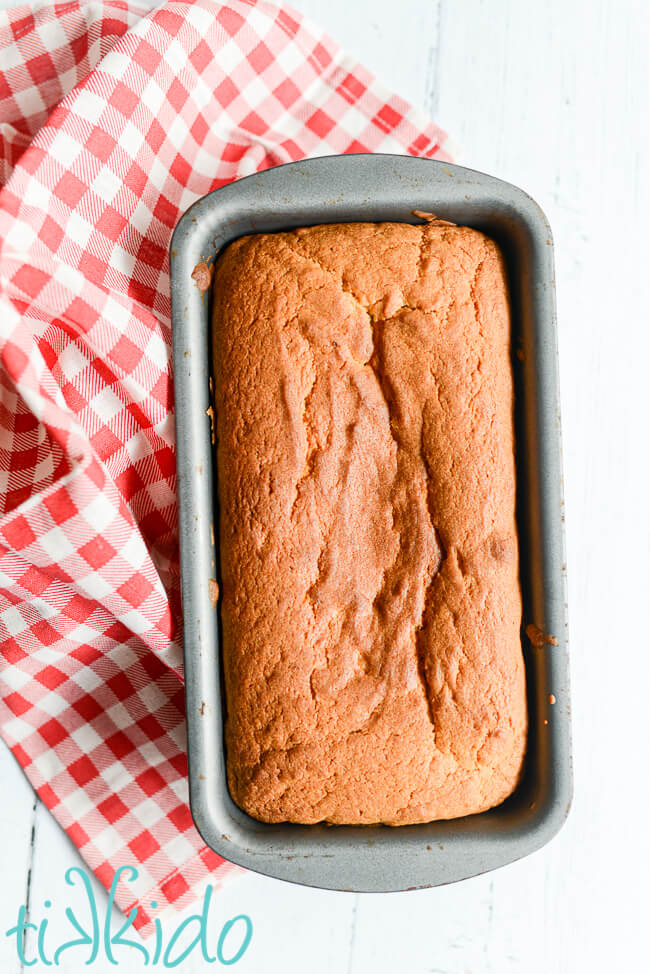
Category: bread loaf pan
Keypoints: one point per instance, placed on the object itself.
(337, 189)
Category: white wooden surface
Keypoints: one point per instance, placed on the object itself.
(553, 96)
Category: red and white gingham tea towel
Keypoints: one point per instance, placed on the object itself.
(112, 122)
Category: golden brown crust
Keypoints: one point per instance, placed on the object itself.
(370, 598)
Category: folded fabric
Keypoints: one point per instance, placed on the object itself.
(113, 120)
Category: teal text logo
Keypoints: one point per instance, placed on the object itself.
(93, 934)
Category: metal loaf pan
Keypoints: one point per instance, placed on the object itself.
(347, 188)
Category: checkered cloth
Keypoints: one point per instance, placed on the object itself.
(113, 120)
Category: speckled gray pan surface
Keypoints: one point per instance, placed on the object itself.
(337, 189)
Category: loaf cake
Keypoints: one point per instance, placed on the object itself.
(370, 603)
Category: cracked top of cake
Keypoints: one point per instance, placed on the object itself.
(370, 599)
